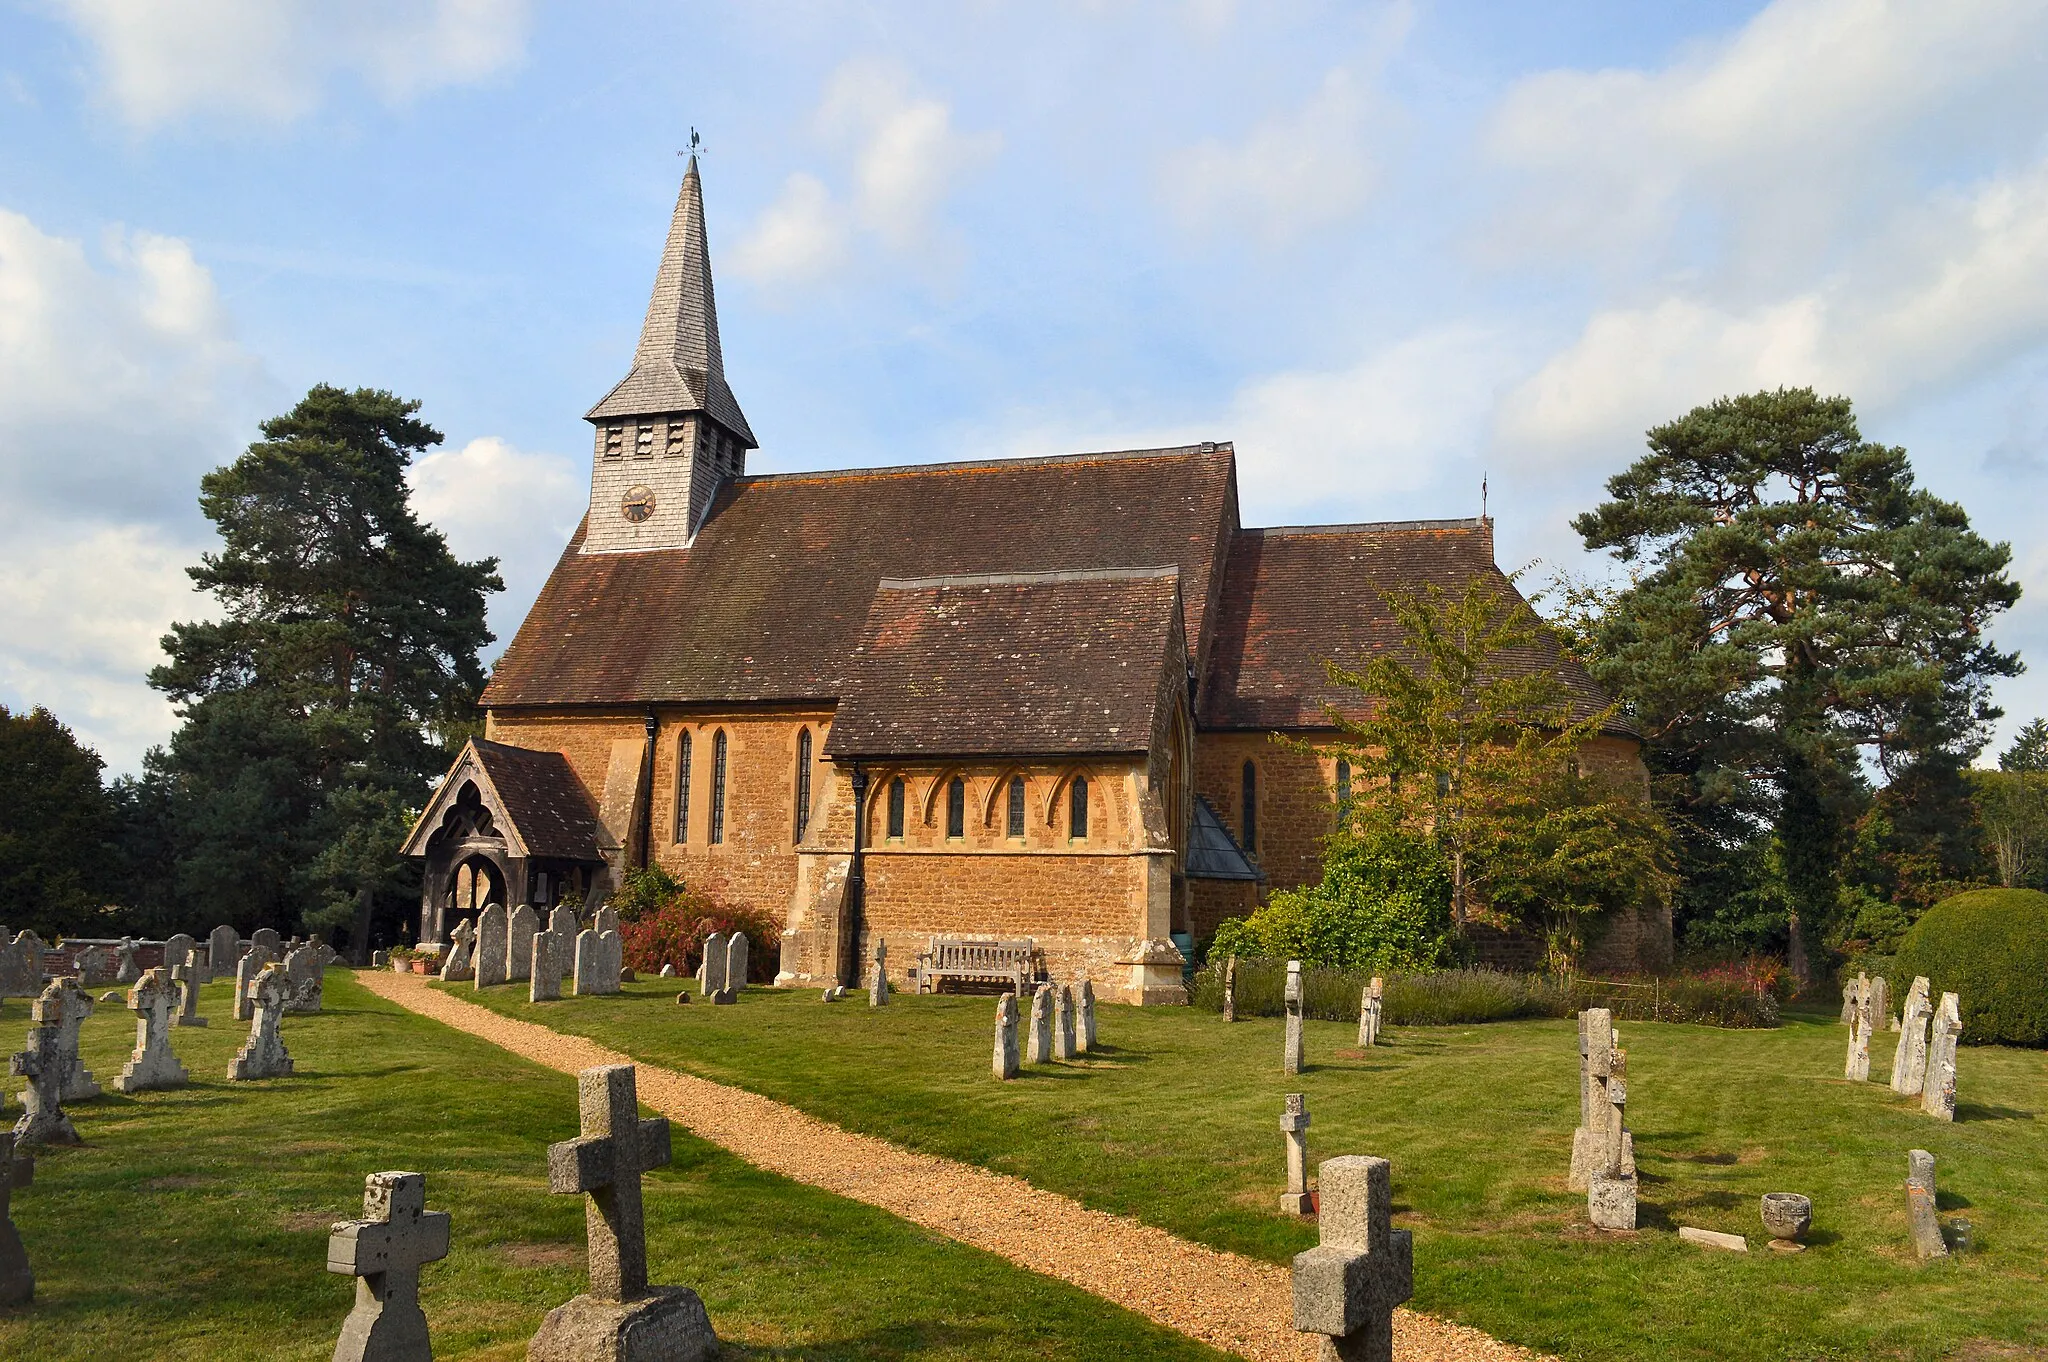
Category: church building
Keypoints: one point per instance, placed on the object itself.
(1045, 699)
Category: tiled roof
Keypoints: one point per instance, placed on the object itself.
(545, 801)
(1293, 597)
(769, 600)
(1013, 664)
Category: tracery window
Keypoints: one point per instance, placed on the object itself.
(1343, 781)
(683, 787)
(956, 807)
(896, 808)
(1251, 809)
(1077, 808)
(1016, 806)
(803, 782)
(718, 787)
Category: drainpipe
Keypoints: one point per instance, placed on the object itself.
(647, 804)
(856, 880)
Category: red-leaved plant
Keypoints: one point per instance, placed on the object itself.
(663, 922)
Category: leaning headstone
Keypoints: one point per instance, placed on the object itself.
(521, 926)
(711, 974)
(1856, 1067)
(67, 1008)
(1881, 1005)
(17, 1169)
(1293, 1058)
(263, 1055)
(223, 949)
(187, 978)
(1230, 989)
(41, 1062)
(1909, 1059)
(1006, 1036)
(1920, 1217)
(878, 987)
(1369, 1012)
(130, 968)
(384, 1252)
(305, 980)
(544, 975)
(152, 1066)
(1938, 1098)
(1038, 1044)
(1346, 1288)
(1084, 1039)
(622, 1318)
(1603, 1150)
(1063, 1025)
(458, 963)
(1294, 1129)
(490, 946)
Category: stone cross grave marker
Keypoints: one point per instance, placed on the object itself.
(305, 979)
(1038, 1043)
(521, 926)
(1346, 1287)
(1856, 1067)
(67, 1008)
(457, 963)
(41, 1062)
(187, 978)
(1611, 1150)
(1294, 1129)
(1909, 1059)
(1230, 989)
(1293, 1059)
(152, 1066)
(17, 1169)
(621, 1317)
(878, 987)
(1084, 1039)
(1369, 1012)
(544, 977)
(711, 974)
(1006, 1036)
(1920, 1216)
(131, 968)
(1063, 1025)
(491, 937)
(384, 1252)
(1938, 1098)
(223, 949)
(263, 1055)
(1881, 1006)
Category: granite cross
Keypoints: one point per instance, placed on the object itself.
(152, 1066)
(188, 977)
(41, 1063)
(384, 1252)
(1346, 1287)
(605, 1163)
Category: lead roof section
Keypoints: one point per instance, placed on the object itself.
(1012, 665)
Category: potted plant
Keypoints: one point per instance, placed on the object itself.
(404, 959)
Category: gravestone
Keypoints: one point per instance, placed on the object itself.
(459, 963)
(1084, 1039)
(490, 946)
(130, 968)
(1294, 1129)
(305, 980)
(1856, 1067)
(1909, 1059)
(1920, 1216)
(1293, 1058)
(597, 963)
(1063, 1025)
(521, 927)
(1038, 1044)
(176, 948)
(223, 949)
(668, 971)
(1881, 1006)
(544, 975)
(263, 1055)
(246, 970)
(711, 974)
(1938, 1099)
(734, 975)
(187, 978)
(622, 1318)
(21, 966)
(1369, 1007)
(384, 1252)
(269, 940)
(152, 1066)
(41, 1062)
(67, 1009)
(605, 920)
(1006, 1036)
(380, 959)
(878, 987)
(94, 965)
(1603, 1150)
(1230, 989)
(1347, 1286)
(17, 1169)
(1853, 991)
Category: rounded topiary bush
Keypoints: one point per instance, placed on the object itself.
(1990, 948)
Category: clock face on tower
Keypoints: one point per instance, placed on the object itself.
(638, 505)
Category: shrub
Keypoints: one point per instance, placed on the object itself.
(1989, 947)
(1384, 903)
(1726, 999)
(662, 922)
(1447, 998)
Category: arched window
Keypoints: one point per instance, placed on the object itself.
(956, 807)
(1016, 806)
(683, 787)
(718, 787)
(1343, 781)
(1251, 809)
(803, 782)
(896, 808)
(1077, 808)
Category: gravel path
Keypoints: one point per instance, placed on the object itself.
(1228, 1301)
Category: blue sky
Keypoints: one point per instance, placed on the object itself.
(1387, 249)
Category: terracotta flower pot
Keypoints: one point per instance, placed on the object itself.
(419, 967)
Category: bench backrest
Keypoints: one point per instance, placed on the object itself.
(955, 955)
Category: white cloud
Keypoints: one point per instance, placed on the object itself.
(801, 236)
(269, 59)
(494, 501)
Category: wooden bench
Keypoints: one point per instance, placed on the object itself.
(984, 961)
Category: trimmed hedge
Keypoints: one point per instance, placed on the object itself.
(1990, 948)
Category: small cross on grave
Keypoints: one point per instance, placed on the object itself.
(384, 1252)
(878, 987)
(152, 1065)
(188, 977)
(17, 1169)
(42, 1064)
(1293, 1059)
(1346, 1287)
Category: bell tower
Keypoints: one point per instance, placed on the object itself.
(671, 431)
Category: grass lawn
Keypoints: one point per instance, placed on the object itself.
(194, 1223)
(1178, 1124)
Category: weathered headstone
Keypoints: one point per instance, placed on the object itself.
(130, 968)
(878, 987)
(384, 1252)
(597, 963)
(246, 969)
(176, 948)
(1293, 1059)
(544, 975)
(1063, 1025)
(17, 1169)
(1880, 1005)
(305, 980)
(1856, 1067)
(1369, 1011)
(1909, 1059)
(1603, 1150)
(269, 940)
(67, 1008)
(521, 926)
(1938, 1098)
(1347, 1286)
(737, 964)
(152, 1066)
(41, 1062)
(21, 967)
(263, 1055)
(94, 965)
(1853, 993)
(711, 974)
(1038, 1043)
(1084, 1038)
(380, 959)
(187, 978)
(1230, 989)
(668, 971)
(1006, 1036)
(1294, 1130)
(223, 949)
(622, 1319)
(458, 962)
(1920, 1216)
(490, 946)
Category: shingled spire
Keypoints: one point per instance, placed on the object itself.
(670, 431)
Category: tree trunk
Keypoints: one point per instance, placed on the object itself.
(359, 931)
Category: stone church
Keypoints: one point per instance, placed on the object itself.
(1018, 699)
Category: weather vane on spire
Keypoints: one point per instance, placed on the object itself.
(696, 147)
